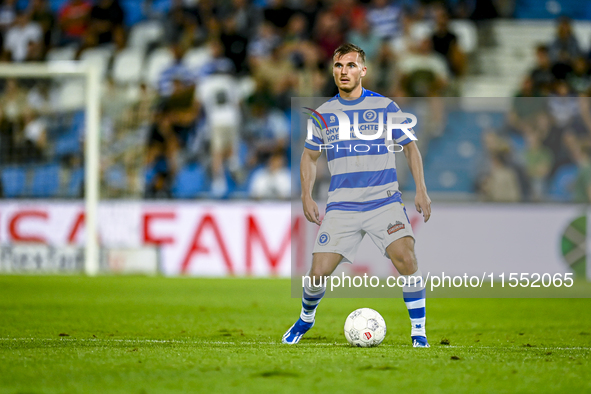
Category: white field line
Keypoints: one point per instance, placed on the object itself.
(252, 343)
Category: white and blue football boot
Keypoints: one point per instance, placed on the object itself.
(419, 341)
(295, 332)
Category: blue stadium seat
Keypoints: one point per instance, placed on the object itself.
(46, 180)
(562, 182)
(70, 142)
(14, 180)
(67, 144)
(75, 183)
(190, 181)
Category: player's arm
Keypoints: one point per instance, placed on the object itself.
(308, 177)
(415, 162)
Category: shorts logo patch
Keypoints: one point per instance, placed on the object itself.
(392, 228)
(323, 239)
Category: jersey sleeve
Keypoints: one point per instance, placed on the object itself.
(316, 140)
(398, 135)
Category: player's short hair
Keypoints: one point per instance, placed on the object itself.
(343, 49)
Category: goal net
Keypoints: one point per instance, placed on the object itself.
(51, 167)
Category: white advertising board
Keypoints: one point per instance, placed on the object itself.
(253, 239)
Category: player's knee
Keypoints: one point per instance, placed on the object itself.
(405, 261)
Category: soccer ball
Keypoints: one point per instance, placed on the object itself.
(365, 328)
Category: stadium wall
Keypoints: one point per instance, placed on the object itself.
(253, 239)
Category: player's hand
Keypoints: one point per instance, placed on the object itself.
(423, 205)
(311, 210)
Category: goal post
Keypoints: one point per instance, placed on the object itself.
(91, 76)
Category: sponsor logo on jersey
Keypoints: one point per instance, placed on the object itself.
(323, 239)
(392, 228)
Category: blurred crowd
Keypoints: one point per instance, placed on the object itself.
(544, 152)
(197, 127)
(220, 127)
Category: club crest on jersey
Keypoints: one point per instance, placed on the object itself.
(392, 228)
(323, 239)
(369, 115)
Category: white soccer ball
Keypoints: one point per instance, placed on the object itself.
(365, 327)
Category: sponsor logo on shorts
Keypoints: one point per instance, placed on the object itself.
(392, 228)
(323, 238)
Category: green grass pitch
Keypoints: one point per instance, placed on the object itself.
(75, 334)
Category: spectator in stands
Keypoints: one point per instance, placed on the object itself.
(364, 37)
(235, 44)
(221, 104)
(24, 40)
(541, 75)
(273, 181)
(7, 150)
(183, 26)
(564, 106)
(446, 43)
(7, 15)
(35, 133)
(40, 13)
(42, 99)
(297, 29)
(263, 43)
(310, 9)
(328, 34)
(350, 12)
(310, 75)
(565, 45)
(580, 76)
(525, 107)
(538, 164)
(266, 129)
(404, 42)
(278, 13)
(277, 75)
(73, 20)
(178, 71)
(173, 127)
(384, 18)
(218, 63)
(247, 16)
(502, 183)
(106, 23)
(423, 73)
(13, 101)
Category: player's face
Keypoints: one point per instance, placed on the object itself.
(348, 71)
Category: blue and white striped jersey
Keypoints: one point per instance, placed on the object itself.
(363, 178)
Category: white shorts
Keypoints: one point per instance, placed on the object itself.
(342, 231)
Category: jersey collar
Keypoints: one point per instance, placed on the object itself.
(353, 102)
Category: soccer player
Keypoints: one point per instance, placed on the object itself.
(363, 196)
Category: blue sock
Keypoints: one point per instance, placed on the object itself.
(414, 298)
